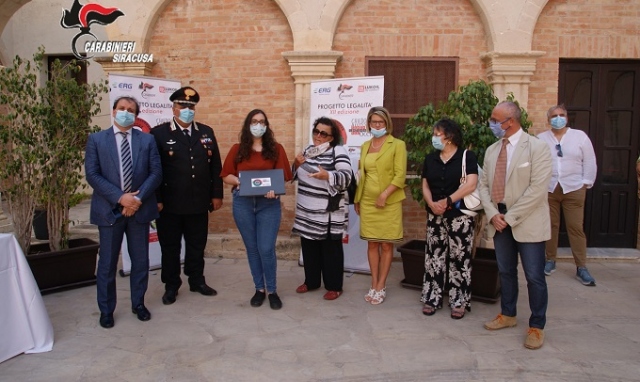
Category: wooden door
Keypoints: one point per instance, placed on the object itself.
(603, 100)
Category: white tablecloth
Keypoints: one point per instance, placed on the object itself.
(24, 323)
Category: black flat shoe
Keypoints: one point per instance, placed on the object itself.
(203, 289)
(142, 312)
(106, 320)
(274, 301)
(258, 299)
(169, 297)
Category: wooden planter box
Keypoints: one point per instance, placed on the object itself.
(70, 268)
(485, 279)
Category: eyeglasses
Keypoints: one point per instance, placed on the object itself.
(323, 134)
(495, 121)
(256, 121)
(377, 123)
(559, 148)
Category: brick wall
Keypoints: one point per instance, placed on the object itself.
(430, 28)
(578, 29)
(230, 52)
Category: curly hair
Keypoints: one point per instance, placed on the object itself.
(269, 148)
(335, 132)
(450, 129)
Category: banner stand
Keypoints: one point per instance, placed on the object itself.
(348, 101)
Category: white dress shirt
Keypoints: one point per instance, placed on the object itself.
(513, 141)
(577, 166)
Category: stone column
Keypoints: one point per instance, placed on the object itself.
(510, 72)
(307, 67)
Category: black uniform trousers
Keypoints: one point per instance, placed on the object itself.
(171, 229)
(323, 257)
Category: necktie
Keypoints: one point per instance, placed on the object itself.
(125, 159)
(497, 191)
(186, 133)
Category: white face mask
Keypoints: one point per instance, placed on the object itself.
(258, 130)
(378, 132)
(558, 122)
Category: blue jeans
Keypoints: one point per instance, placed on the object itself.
(532, 256)
(258, 220)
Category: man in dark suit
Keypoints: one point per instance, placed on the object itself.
(191, 187)
(513, 190)
(123, 167)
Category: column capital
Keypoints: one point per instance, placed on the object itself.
(310, 66)
(131, 68)
(510, 72)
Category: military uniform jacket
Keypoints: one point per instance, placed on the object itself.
(190, 166)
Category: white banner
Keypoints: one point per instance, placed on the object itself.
(152, 95)
(347, 101)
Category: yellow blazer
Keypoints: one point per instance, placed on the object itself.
(391, 166)
(525, 194)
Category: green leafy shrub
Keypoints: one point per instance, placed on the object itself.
(470, 106)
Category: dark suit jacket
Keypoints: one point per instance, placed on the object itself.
(102, 168)
(190, 167)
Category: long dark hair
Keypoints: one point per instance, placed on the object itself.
(269, 149)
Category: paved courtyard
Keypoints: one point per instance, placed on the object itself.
(593, 334)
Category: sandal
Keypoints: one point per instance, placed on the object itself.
(379, 296)
(369, 296)
(457, 313)
(428, 310)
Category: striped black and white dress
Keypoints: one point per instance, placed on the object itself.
(312, 220)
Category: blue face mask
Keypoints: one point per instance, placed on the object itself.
(437, 143)
(558, 122)
(186, 115)
(124, 118)
(258, 130)
(378, 132)
(496, 129)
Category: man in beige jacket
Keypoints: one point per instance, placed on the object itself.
(513, 190)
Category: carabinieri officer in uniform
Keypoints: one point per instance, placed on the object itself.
(191, 187)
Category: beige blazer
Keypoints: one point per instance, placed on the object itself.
(526, 193)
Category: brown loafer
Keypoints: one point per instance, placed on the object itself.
(302, 289)
(332, 294)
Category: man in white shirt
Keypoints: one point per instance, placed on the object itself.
(574, 171)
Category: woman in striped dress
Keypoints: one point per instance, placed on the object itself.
(323, 171)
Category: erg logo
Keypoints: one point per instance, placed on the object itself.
(122, 85)
(322, 91)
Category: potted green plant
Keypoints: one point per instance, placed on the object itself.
(43, 131)
(470, 106)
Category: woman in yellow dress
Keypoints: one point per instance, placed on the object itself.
(378, 201)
